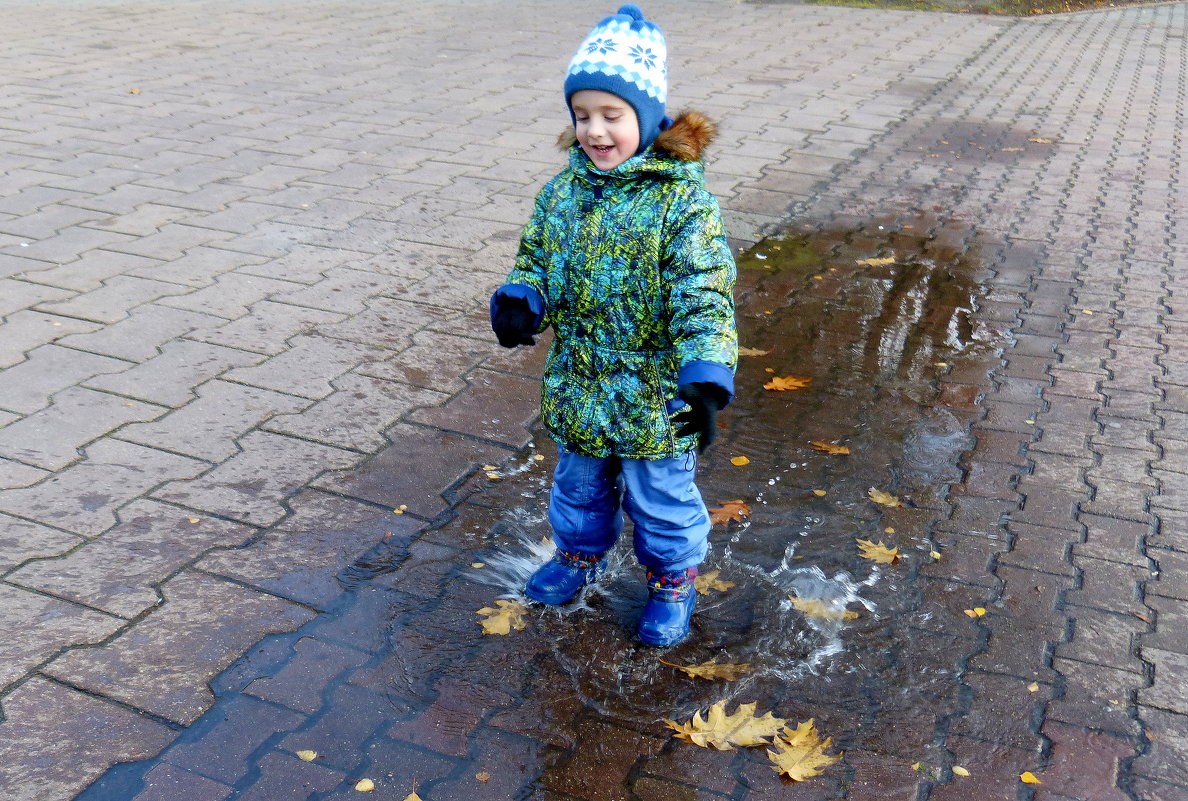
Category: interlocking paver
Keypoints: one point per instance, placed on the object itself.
(170, 377)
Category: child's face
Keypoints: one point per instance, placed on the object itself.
(607, 128)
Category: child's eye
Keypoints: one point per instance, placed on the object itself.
(613, 119)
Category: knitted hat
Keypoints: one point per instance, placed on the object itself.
(625, 55)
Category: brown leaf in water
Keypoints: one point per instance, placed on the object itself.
(724, 732)
(830, 448)
(883, 498)
(713, 670)
(815, 607)
(882, 262)
(710, 581)
(799, 753)
(781, 384)
(503, 619)
(879, 553)
(737, 510)
(753, 351)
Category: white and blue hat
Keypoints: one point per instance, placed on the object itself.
(625, 55)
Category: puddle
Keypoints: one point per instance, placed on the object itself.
(875, 316)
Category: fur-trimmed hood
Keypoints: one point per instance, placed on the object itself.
(686, 139)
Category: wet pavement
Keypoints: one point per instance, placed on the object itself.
(261, 462)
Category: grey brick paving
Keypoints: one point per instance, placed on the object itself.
(266, 268)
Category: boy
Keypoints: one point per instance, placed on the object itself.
(626, 259)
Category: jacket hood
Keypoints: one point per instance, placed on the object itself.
(685, 140)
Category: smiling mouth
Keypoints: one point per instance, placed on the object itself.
(602, 150)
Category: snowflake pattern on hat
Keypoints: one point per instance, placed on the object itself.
(630, 49)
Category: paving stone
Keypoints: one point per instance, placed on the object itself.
(222, 743)
(247, 488)
(166, 783)
(388, 323)
(163, 664)
(357, 413)
(395, 766)
(27, 387)
(139, 336)
(22, 540)
(55, 740)
(433, 361)
(1168, 734)
(307, 367)
(169, 378)
(52, 437)
(1103, 638)
(597, 774)
(444, 726)
(1096, 697)
(83, 497)
(230, 296)
(200, 267)
(352, 717)
(210, 426)
(25, 330)
(301, 558)
(268, 328)
(496, 407)
(120, 571)
(1084, 764)
(114, 300)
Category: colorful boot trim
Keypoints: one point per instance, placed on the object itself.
(582, 561)
(671, 587)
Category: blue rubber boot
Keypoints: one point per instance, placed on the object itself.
(562, 577)
(665, 618)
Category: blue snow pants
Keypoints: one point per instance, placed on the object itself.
(590, 494)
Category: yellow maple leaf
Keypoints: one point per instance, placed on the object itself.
(880, 262)
(883, 498)
(504, 618)
(753, 352)
(710, 581)
(724, 732)
(878, 552)
(799, 753)
(815, 607)
(781, 384)
(1027, 777)
(736, 510)
(830, 448)
(713, 670)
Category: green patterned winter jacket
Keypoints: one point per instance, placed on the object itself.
(632, 270)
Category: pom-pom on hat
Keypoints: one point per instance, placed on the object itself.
(625, 55)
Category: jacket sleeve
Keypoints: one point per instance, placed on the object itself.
(701, 274)
(529, 278)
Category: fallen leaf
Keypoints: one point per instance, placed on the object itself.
(365, 785)
(753, 352)
(1027, 777)
(133, 91)
(977, 611)
(502, 620)
(878, 552)
(483, 777)
(307, 756)
(710, 581)
(713, 670)
(820, 493)
(1010, 150)
(1033, 687)
(883, 498)
(815, 607)
(724, 732)
(490, 467)
(740, 461)
(413, 797)
(960, 771)
(888, 530)
(194, 519)
(539, 457)
(799, 753)
(880, 262)
(830, 448)
(934, 554)
(737, 511)
(478, 565)
(1039, 140)
(781, 384)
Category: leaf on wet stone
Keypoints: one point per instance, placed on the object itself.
(960, 771)
(784, 383)
(713, 670)
(1039, 140)
(413, 797)
(877, 262)
(365, 785)
(1027, 777)
(725, 732)
(753, 352)
(740, 461)
(831, 448)
(820, 493)
(883, 498)
(976, 612)
(502, 619)
(736, 510)
(483, 776)
(307, 756)
(799, 753)
(710, 581)
(878, 552)
(816, 607)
